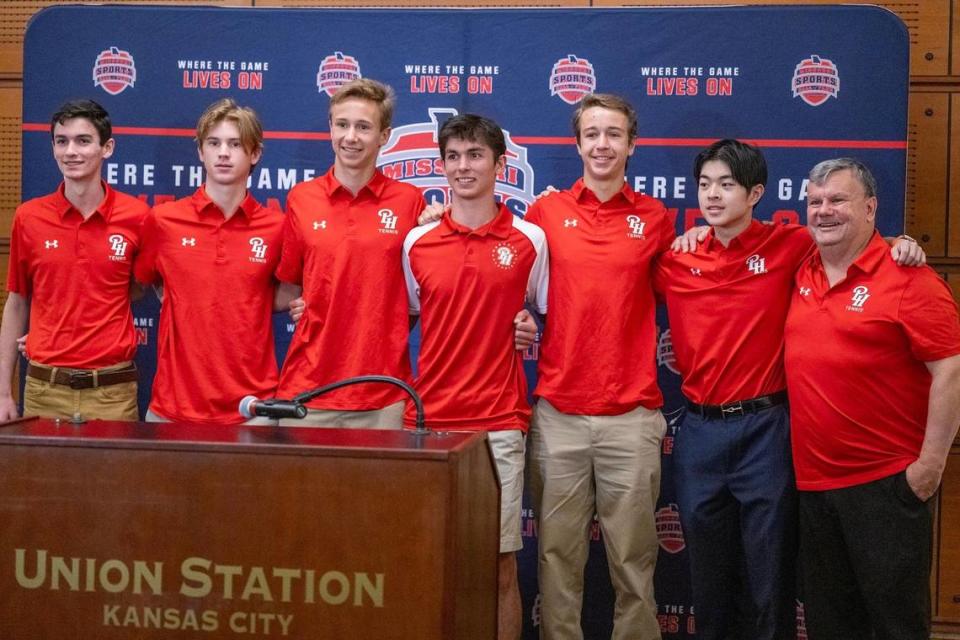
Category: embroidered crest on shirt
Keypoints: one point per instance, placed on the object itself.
(259, 250)
(188, 242)
(51, 244)
(322, 224)
(756, 264)
(636, 226)
(857, 300)
(388, 221)
(118, 245)
(504, 255)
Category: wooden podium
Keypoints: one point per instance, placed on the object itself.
(130, 530)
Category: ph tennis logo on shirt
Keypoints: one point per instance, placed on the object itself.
(857, 300)
(572, 78)
(335, 71)
(504, 255)
(259, 250)
(636, 226)
(669, 531)
(118, 244)
(388, 221)
(114, 70)
(756, 264)
(815, 80)
(411, 155)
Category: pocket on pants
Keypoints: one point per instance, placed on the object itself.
(903, 492)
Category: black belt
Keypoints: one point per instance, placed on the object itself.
(737, 409)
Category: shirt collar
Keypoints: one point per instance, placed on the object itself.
(249, 207)
(754, 230)
(375, 186)
(499, 227)
(582, 192)
(105, 208)
(868, 260)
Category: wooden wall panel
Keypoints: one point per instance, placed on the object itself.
(14, 15)
(11, 105)
(947, 603)
(926, 194)
(927, 20)
(952, 171)
(420, 3)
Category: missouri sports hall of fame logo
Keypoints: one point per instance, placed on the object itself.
(114, 70)
(815, 80)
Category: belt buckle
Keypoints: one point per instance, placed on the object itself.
(733, 409)
(78, 380)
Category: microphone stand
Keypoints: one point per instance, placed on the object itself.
(421, 428)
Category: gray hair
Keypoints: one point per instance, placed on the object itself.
(820, 173)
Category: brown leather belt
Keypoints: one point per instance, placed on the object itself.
(82, 378)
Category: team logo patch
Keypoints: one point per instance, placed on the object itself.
(636, 226)
(118, 245)
(504, 255)
(858, 299)
(572, 78)
(665, 355)
(411, 155)
(815, 79)
(669, 531)
(114, 70)
(335, 71)
(259, 250)
(388, 221)
(756, 264)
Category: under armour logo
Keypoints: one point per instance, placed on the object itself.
(188, 242)
(804, 291)
(51, 244)
(756, 264)
(695, 272)
(570, 222)
(319, 225)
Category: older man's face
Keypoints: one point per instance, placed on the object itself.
(839, 213)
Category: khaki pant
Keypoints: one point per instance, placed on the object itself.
(508, 454)
(608, 464)
(389, 417)
(111, 402)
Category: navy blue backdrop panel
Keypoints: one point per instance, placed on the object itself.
(805, 83)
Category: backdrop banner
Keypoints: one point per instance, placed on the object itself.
(804, 83)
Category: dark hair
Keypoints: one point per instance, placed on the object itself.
(88, 110)
(746, 162)
(606, 101)
(474, 128)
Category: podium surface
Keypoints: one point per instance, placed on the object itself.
(165, 530)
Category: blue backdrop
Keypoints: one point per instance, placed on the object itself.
(805, 83)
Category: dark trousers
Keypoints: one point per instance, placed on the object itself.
(737, 498)
(865, 562)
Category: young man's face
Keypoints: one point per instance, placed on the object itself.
(605, 143)
(839, 211)
(471, 168)
(356, 134)
(78, 150)
(224, 159)
(724, 202)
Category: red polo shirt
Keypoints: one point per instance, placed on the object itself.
(76, 273)
(855, 357)
(468, 285)
(345, 252)
(727, 307)
(599, 343)
(215, 340)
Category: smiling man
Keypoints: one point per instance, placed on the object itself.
(342, 245)
(467, 276)
(212, 257)
(873, 371)
(71, 257)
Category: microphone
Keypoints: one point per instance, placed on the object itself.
(252, 406)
